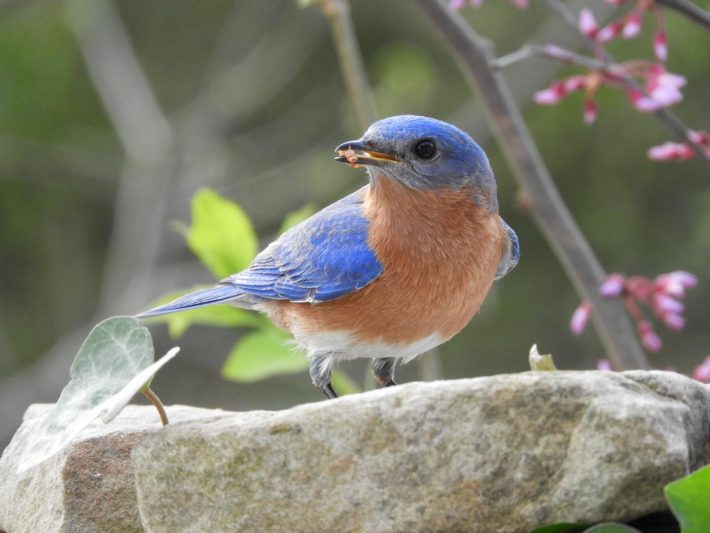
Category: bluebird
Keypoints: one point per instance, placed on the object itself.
(390, 271)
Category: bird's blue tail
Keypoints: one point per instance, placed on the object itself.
(213, 295)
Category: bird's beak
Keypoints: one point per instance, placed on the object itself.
(355, 153)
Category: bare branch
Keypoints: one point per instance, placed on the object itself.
(147, 138)
(547, 207)
(338, 14)
(689, 10)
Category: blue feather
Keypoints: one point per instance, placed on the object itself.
(512, 256)
(214, 295)
(320, 259)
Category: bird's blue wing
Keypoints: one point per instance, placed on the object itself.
(320, 259)
(511, 256)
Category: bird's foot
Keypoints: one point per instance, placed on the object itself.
(383, 370)
(329, 391)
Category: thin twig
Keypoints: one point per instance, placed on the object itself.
(148, 393)
(689, 10)
(547, 207)
(671, 121)
(338, 14)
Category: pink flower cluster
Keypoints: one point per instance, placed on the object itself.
(702, 371)
(671, 151)
(460, 4)
(627, 26)
(661, 88)
(661, 295)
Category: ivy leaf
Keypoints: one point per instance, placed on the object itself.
(262, 354)
(296, 217)
(221, 315)
(221, 235)
(114, 362)
(689, 498)
(611, 527)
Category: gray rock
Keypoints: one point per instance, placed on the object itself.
(90, 485)
(504, 453)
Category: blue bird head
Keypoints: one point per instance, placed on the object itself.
(425, 154)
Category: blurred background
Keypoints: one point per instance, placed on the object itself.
(113, 114)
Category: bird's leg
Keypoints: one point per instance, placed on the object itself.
(320, 374)
(383, 369)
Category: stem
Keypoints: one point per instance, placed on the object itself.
(341, 26)
(148, 393)
(689, 10)
(547, 207)
(672, 122)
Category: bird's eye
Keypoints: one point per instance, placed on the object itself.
(425, 149)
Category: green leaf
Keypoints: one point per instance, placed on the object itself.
(342, 383)
(689, 498)
(539, 362)
(562, 527)
(221, 235)
(221, 315)
(611, 527)
(295, 217)
(262, 354)
(114, 362)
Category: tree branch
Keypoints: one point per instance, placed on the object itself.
(689, 10)
(547, 207)
(147, 139)
(338, 14)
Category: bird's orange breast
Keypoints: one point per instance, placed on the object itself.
(439, 253)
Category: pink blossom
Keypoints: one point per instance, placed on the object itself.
(632, 25)
(662, 303)
(457, 4)
(702, 371)
(640, 288)
(587, 25)
(590, 111)
(675, 283)
(580, 317)
(700, 137)
(671, 152)
(673, 320)
(642, 102)
(550, 96)
(574, 83)
(609, 32)
(650, 340)
(663, 86)
(603, 364)
(613, 285)
(660, 45)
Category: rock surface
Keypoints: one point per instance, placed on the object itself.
(504, 453)
(90, 485)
